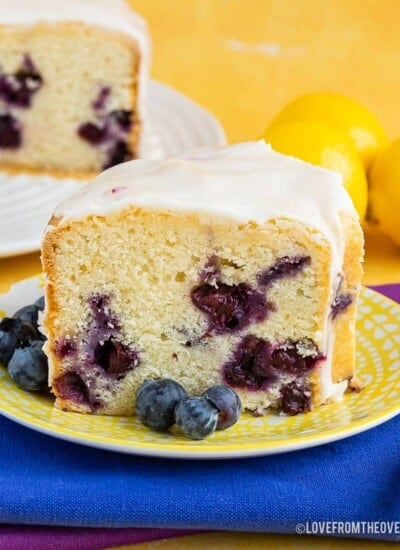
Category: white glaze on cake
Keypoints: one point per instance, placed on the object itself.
(235, 184)
(112, 15)
(238, 183)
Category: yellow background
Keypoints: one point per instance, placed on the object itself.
(243, 60)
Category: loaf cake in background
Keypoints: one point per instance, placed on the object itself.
(236, 265)
(72, 83)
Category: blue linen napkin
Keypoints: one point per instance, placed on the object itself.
(49, 482)
(46, 481)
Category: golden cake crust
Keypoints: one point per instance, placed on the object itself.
(344, 353)
(344, 348)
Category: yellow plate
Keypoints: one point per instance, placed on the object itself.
(378, 367)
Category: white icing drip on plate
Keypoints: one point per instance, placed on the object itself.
(112, 15)
(330, 390)
(235, 184)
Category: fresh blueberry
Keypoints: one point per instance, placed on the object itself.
(156, 401)
(13, 333)
(29, 314)
(197, 417)
(28, 367)
(228, 404)
(40, 303)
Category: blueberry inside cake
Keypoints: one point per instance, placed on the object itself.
(237, 265)
(71, 85)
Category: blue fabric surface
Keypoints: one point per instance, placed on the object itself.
(50, 482)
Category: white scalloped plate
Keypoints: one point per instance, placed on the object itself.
(378, 358)
(175, 124)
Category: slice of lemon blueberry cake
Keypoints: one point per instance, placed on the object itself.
(72, 76)
(236, 265)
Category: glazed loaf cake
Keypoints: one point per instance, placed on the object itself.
(237, 265)
(72, 78)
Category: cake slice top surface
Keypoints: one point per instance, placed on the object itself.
(237, 184)
(112, 14)
(240, 183)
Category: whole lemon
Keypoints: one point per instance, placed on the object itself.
(325, 146)
(384, 200)
(362, 127)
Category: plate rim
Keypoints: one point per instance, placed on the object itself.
(230, 451)
(29, 245)
(225, 451)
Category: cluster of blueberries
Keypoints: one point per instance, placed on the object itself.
(159, 403)
(21, 348)
(162, 403)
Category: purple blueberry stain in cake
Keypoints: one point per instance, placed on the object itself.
(97, 360)
(65, 348)
(340, 304)
(28, 65)
(115, 358)
(92, 132)
(123, 118)
(211, 271)
(103, 348)
(230, 308)
(295, 357)
(285, 267)
(118, 152)
(295, 398)
(18, 89)
(100, 102)
(72, 387)
(104, 323)
(109, 130)
(10, 132)
(250, 365)
(256, 363)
